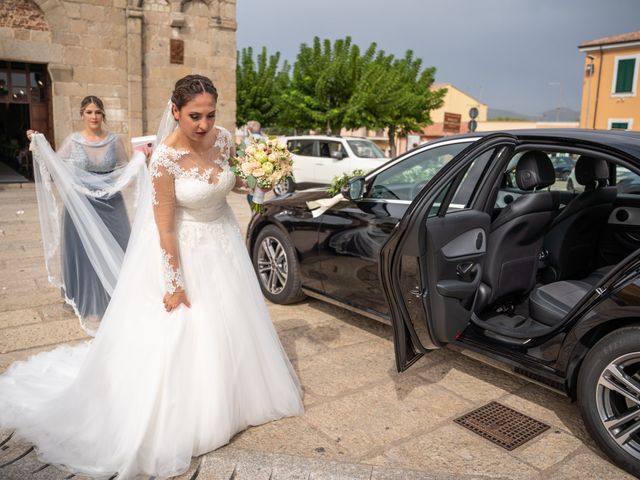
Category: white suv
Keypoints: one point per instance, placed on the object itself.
(319, 158)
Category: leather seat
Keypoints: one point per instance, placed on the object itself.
(573, 236)
(515, 240)
(550, 303)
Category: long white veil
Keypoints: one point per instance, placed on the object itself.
(91, 209)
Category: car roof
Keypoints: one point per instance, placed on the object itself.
(627, 142)
(323, 137)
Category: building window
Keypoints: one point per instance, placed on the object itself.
(625, 75)
(620, 123)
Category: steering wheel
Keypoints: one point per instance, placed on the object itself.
(380, 191)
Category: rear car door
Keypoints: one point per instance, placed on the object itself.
(332, 160)
(622, 234)
(431, 266)
(304, 160)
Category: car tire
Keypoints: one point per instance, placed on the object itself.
(277, 267)
(283, 187)
(611, 362)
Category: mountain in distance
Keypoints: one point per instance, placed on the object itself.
(500, 114)
(561, 114)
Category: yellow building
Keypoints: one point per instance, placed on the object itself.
(610, 91)
(453, 116)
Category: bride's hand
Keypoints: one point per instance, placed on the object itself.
(174, 300)
(31, 133)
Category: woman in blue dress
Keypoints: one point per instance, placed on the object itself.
(100, 153)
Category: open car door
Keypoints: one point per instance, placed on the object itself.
(431, 265)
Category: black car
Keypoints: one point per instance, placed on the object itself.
(465, 242)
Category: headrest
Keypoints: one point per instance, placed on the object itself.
(591, 170)
(534, 170)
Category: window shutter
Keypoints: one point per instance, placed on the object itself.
(624, 81)
(619, 125)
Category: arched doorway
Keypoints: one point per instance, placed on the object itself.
(25, 102)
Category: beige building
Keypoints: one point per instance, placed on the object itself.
(610, 96)
(128, 52)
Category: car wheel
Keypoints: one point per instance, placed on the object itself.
(570, 187)
(284, 186)
(609, 396)
(276, 264)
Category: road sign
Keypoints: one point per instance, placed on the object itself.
(472, 125)
(473, 112)
(451, 122)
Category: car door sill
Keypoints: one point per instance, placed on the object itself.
(365, 312)
(550, 382)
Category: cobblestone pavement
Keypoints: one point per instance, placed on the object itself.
(363, 420)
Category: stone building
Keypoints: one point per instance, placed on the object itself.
(128, 52)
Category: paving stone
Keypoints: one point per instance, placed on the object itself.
(471, 379)
(40, 334)
(586, 466)
(373, 418)
(548, 449)
(276, 437)
(454, 450)
(16, 318)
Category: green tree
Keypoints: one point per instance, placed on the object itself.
(395, 94)
(259, 87)
(324, 79)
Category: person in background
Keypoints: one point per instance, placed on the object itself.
(100, 152)
(254, 131)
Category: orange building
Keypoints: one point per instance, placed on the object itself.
(610, 97)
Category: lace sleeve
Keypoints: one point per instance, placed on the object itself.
(121, 153)
(164, 203)
(65, 152)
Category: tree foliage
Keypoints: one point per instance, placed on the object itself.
(335, 85)
(324, 79)
(259, 87)
(395, 94)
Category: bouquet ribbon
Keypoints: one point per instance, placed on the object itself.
(318, 207)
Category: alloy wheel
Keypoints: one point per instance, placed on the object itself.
(273, 266)
(282, 187)
(618, 402)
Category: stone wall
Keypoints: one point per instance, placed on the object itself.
(119, 51)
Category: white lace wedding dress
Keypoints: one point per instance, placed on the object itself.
(154, 388)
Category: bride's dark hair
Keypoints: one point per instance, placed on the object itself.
(188, 87)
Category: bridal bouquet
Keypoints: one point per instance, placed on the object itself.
(263, 164)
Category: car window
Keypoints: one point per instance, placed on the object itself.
(563, 163)
(464, 194)
(404, 179)
(301, 147)
(365, 149)
(627, 181)
(466, 188)
(329, 148)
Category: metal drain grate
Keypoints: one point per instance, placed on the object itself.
(502, 425)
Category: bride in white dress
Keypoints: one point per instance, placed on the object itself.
(186, 355)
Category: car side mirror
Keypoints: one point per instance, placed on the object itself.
(338, 155)
(354, 189)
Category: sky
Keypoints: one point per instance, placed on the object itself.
(518, 55)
